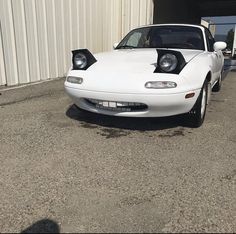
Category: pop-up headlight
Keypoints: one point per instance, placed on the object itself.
(169, 61)
(82, 59)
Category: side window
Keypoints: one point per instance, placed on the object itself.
(210, 40)
(134, 39)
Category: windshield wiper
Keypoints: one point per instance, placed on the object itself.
(127, 47)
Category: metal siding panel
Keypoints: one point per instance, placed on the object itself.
(78, 24)
(32, 40)
(104, 24)
(89, 24)
(99, 26)
(75, 24)
(82, 26)
(150, 8)
(126, 9)
(95, 26)
(92, 25)
(116, 22)
(134, 14)
(60, 37)
(67, 31)
(52, 42)
(107, 24)
(119, 22)
(52, 28)
(110, 25)
(103, 20)
(2, 62)
(143, 13)
(21, 41)
(113, 27)
(42, 39)
(8, 42)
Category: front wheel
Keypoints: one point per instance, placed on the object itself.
(197, 114)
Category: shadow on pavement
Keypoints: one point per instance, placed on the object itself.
(43, 226)
(90, 120)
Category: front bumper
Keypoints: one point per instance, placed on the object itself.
(158, 105)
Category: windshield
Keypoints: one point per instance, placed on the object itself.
(179, 37)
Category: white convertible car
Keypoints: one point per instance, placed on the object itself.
(155, 71)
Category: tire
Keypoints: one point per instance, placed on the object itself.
(217, 86)
(197, 114)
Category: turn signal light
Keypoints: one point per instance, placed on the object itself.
(75, 80)
(189, 95)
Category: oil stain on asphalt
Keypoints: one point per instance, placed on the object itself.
(113, 133)
(173, 133)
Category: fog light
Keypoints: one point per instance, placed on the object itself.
(75, 80)
(160, 85)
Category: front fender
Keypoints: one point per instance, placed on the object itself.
(196, 71)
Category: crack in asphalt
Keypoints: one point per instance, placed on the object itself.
(24, 100)
(30, 98)
(230, 176)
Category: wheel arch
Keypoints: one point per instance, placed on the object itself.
(209, 76)
(208, 79)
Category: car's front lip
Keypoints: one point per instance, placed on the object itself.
(159, 105)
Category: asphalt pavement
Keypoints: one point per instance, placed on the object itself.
(230, 65)
(66, 170)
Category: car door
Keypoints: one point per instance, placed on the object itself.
(215, 57)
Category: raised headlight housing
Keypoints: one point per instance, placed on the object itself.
(170, 61)
(82, 59)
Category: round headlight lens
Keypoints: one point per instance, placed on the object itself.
(80, 61)
(168, 62)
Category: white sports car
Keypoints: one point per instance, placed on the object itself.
(155, 71)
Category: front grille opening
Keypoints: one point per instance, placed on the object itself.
(117, 106)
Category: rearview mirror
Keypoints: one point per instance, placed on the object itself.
(115, 45)
(220, 45)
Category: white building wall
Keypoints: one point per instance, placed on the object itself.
(234, 43)
(37, 36)
(2, 65)
(205, 23)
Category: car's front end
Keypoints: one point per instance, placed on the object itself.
(126, 83)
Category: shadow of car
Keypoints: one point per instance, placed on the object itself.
(139, 124)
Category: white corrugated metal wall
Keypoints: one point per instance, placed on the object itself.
(36, 36)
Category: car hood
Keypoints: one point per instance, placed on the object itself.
(133, 60)
(127, 71)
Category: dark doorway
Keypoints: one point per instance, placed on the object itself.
(191, 11)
